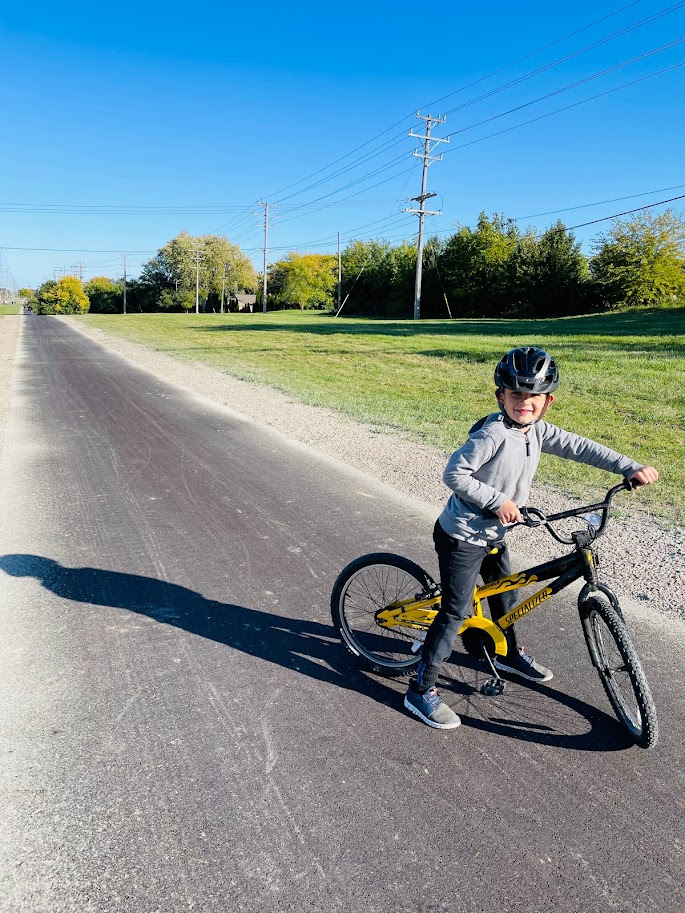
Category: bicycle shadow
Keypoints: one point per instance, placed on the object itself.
(306, 647)
(533, 712)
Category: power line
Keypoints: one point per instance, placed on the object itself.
(461, 89)
(597, 75)
(568, 57)
(567, 107)
(515, 63)
(574, 85)
(554, 212)
(82, 250)
(628, 212)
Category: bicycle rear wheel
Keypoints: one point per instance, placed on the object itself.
(620, 670)
(367, 586)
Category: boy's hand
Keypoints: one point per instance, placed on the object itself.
(509, 513)
(645, 475)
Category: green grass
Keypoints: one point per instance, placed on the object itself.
(9, 309)
(623, 376)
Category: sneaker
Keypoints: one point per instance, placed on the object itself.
(431, 709)
(522, 664)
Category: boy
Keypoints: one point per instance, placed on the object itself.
(490, 475)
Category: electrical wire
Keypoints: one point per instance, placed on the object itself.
(566, 107)
(515, 63)
(461, 89)
(574, 85)
(628, 212)
(556, 63)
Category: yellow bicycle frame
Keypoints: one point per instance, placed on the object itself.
(417, 614)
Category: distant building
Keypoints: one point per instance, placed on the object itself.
(243, 302)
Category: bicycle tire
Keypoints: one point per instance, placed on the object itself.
(620, 670)
(367, 585)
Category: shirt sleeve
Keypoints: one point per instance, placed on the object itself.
(458, 475)
(583, 450)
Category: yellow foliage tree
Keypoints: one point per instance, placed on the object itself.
(64, 296)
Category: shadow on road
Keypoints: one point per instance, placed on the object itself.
(313, 649)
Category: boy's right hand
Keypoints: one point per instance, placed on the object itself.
(509, 513)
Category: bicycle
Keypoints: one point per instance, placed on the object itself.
(383, 604)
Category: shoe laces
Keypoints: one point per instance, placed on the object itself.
(432, 697)
(526, 656)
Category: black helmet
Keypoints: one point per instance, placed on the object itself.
(527, 369)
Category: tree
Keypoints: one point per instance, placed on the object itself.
(401, 273)
(476, 266)
(65, 296)
(641, 261)
(365, 277)
(105, 296)
(174, 267)
(306, 280)
(560, 273)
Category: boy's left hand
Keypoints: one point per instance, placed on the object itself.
(645, 475)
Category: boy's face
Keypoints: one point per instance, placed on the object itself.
(524, 408)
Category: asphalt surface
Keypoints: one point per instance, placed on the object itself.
(181, 730)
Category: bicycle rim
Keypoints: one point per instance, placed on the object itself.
(621, 672)
(368, 590)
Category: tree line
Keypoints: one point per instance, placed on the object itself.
(492, 270)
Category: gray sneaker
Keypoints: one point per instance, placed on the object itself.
(431, 709)
(520, 663)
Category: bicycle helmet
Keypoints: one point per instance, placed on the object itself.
(527, 369)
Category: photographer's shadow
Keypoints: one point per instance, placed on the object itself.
(308, 647)
(311, 648)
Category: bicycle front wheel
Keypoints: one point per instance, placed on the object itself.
(620, 670)
(367, 586)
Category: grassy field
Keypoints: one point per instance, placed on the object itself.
(623, 376)
(10, 309)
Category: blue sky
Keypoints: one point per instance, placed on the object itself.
(183, 118)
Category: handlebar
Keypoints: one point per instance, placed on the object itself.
(532, 517)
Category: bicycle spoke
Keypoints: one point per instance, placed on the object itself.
(370, 588)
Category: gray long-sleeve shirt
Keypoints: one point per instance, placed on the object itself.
(498, 462)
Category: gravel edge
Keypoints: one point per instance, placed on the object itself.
(10, 330)
(647, 570)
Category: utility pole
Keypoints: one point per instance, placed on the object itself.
(223, 285)
(339, 276)
(423, 196)
(266, 249)
(198, 259)
(124, 283)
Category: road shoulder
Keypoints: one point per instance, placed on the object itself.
(10, 331)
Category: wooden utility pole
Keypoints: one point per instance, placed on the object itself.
(339, 277)
(198, 259)
(266, 250)
(223, 286)
(423, 196)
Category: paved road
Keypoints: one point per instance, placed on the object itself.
(179, 728)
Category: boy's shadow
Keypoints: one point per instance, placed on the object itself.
(307, 647)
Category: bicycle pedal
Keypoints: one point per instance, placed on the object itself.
(418, 643)
(493, 687)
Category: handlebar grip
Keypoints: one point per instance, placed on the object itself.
(529, 518)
